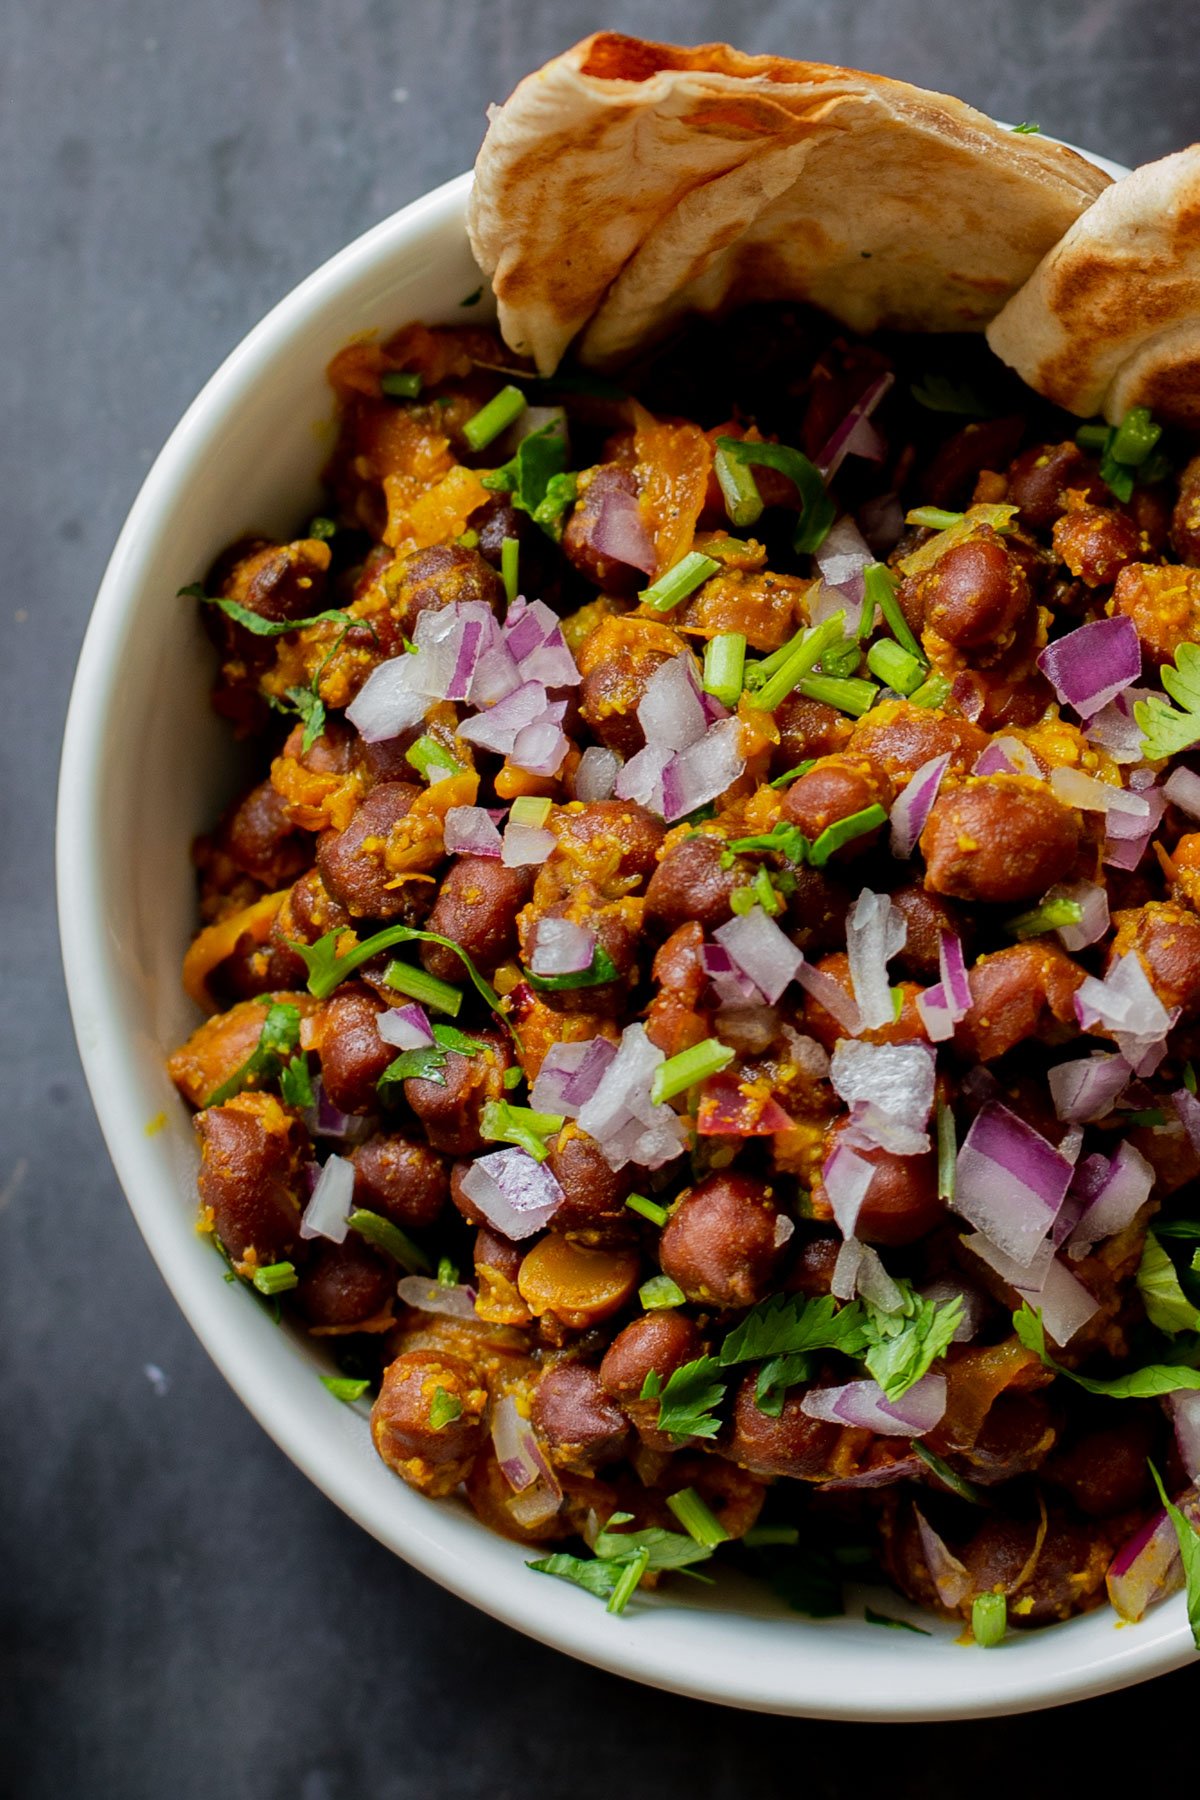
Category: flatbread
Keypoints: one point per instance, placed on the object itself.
(627, 182)
(1110, 318)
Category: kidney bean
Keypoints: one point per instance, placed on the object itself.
(973, 596)
(1104, 1469)
(792, 1445)
(595, 487)
(403, 1180)
(450, 1110)
(927, 916)
(1016, 1437)
(677, 963)
(807, 728)
(1016, 994)
(344, 1284)
(442, 575)
(1096, 543)
(580, 1425)
(1040, 478)
(351, 862)
(721, 1241)
(1000, 839)
(353, 1055)
(433, 1459)
(835, 787)
(308, 912)
(690, 883)
(1067, 1574)
(1185, 519)
(900, 738)
(477, 906)
(616, 661)
(593, 1207)
(250, 1157)
(1166, 938)
(811, 1273)
(901, 1204)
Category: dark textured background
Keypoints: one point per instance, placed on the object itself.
(182, 1614)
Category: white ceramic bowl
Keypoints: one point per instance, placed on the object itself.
(146, 765)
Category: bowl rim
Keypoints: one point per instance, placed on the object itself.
(557, 1616)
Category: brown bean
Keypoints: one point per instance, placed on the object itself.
(690, 883)
(901, 1204)
(607, 841)
(497, 1263)
(791, 1445)
(658, 1343)
(353, 1055)
(260, 840)
(1067, 1574)
(972, 596)
(811, 1272)
(477, 906)
(595, 485)
(927, 916)
(276, 581)
(450, 1110)
(250, 1158)
(807, 728)
(1096, 543)
(593, 1205)
(432, 1458)
(1015, 1438)
(722, 1243)
(900, 738)
(351, 862)
(580, 1425)
(816, 910)
(308, 912)
(429, 579)
(1166, 938)
(1185, 519)
(344, 1284)
(1016, 994)
(403, 1180)
(677, 963)
(1104, 1470)
(1040, 478)
(999, 839)
(835, 787)
(950, 478)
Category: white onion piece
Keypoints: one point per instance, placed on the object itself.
(848, 439)
(328, 1210)
(876, 1285)
(671, 712)
(524, 845)
(641, 779)
(843, 1283)
(386, 703)
(748, 1030)
(538, 1495)
(1182, 788)
(893, 1083)
(808, 1055)
(1089, 1087)
(447, 1300)
(597, 772)
(703, 771)
(621, 1116)
(1126, 1004)
(540, 748)
(497, 728)
(1009, 1182)
(761, 951)
(948, 1574)
(516, 1195)
(1064, 1303)
(1122, 1194)
(875, 932)
(561, 947)
(830, 994)
(864, 1404)
(1184, 1408)
(914, 803)
(405, 1027)
(1087, 794)
(842, 558)
(846, 1176)
(470, 831)
(1116, 730)
(1148, 1567)
(1092, 898)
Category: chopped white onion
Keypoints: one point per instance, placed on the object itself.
(470, 831)
(597, 773)
(1182, 789)
(914, 803)
(875, 932)
(386, 703)
(328, 1211)
(405, 1027)
(671, 712)
(1064, 1303)
(1088, 794)
(448, 1300)
(1010, 1182)
(761, 951)
(525, 845)
(892, 1084)
(561, 947)
(1122, 1192)
(846, 1176)
(516, 1195)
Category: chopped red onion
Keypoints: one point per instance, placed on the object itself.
(497, 728)
(1121, 1195)
(525, 845)
(1127, 838)
(641, 778)
(533, 637)
(876, 1285)
(1092, 898)
(1007, 755)
(1184, 1408)
(843, 1283)
(890, 1088)
(449, 1301)
(1182, 789)
(1091, 665)
(875, 932)
(561, 947)
(846, 1176)
(386, 703)
(1089, 1087)
(1187, 1108)
(914, 803)
(1148, 1567)
(597, 773)
(865, 1405)
(830, 994)
(621, 1116)
(761, 951)
(449, 641)
(842, 558)
(727, 1110)
(328, 1211)
(570, 1075)
(948, 1574)
(405, 1027)
(855, 436)
(541, 748)
(1009, 1181)
(1064, 1303)
(469, 831)
(732, 987)
(935, 1014)
(703, 771)
(325, 1120)
(523, 1464)
(1085, 792)
(882, 1474)
(671, 712)
(1127, 1006)
(1115, 728)
(496, 673)
(515, 1194)
(617, 529)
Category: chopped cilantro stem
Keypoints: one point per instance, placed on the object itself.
(260, 627)
(321, 527)
(849, 695)
(1051, 915)
(879, 587)
(510, 554)
(501, 1123)
(894, 666)
(947, 1150)
(529, 809)
(786, 780)
(419, 985)
(989, 1619)
(817, 509)
(1092, 437)
(681, 1072)
(432, 760)
(1137, 1384)
(344, 1387)
(798, 658)
(678, 582)
(660, 1293)
(649, 1209)
(724, 666)
(697, 1520)
(844, 831)
(401, 384)
(743, 502)
(957, 1484)
(1027, 128)
(501, 411)
(275, 1278)
(1134, 438)
(631, 1575)
(934, 518)
(389, 1238)
(933, 692)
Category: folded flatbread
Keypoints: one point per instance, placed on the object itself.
(626, 183)
(1110, 318)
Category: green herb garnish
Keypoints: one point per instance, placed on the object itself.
(817, 509)
(295, 1084)
(687, 1399)
(724, 666)
(937, 393)
(660, 1294)
(602, 969)
(344, 1387)
(401, 384)
(1189, 1551)
(444, 1408)
(649, 1209)
(877, 1618)
(683, 1071)
(1165, 730)
(510, 558)
(389, 1238)
(1167, 1306)
(701, 1525)
(1138, 1384)
(989, 1619)
(432, 761)
(689, 573)
(501, 1123)
(501, 411)
(278, 1038)
(260, 627)
(275, 1278)
(536, 479)
(844, 831)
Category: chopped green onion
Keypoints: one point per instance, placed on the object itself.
(817, 508)
(724, 666)
(762, 1537)
(842, 659)
(933, 692)
(321, 527)
(275, 1278)
(1189, 1076)
(401, 384)
(344, 1388)
(1092, 437)
(659, 1293)
(844, 831)
(679, 582)
(447, 1272)
(388, 1237)
(510, 554)
(1135, 437)
(681, 1072)
(432, 760)
(1051, 915)
(989, 1619)
(530, 809)
(934, 518)
(630, 1577)
(851, 695)
(743, 502)
(501, 411)
(1027, 129)
(947, 1149)
(444, 1408)
(502, 1123)
(879, 587)
(765, 892)
(786, 780)
(895, 667)
(649, 1209)
(1150, 1115)
(785, 675)
(420, 985)
(757, 672)
(701, 1525)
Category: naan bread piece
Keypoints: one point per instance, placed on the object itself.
(626, 183)
(1110, 318)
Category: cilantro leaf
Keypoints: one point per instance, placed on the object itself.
(1189, 1551)
(444, 1408)
(687, 1400)
(295, 1084)
(790, 1325)
(786, 840)
(326, 968)
(502, 1123)
(817, 509)
(279, 1036)
(535, 479)
(804, 1578)
(665, 1549)
(1177, 1228)
(255, 623)
(602, 969)
(774, 1379)
(422, 1064)
(1138, 1384)
(903, 1345)
(1166, 730)
(561, 491)
(1167, 1306)
(451, 1038)
(590, 1573)
(311, 709)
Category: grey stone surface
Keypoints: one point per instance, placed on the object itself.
(181, 1613)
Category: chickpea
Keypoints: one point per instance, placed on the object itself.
(1016, 994)
(431, 1457)
(344, 1284)
(451, 1110)
(593, 1207)
(251, 1151)
(835, 787)
(1000, 839)
(351, 861)
(476, 908)
(580, 1425)
(973, 596)
(353, 1055)
(723, 1242)
(1096, 543)
(791, 1445)
(402, 1179)
(901, 1204)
